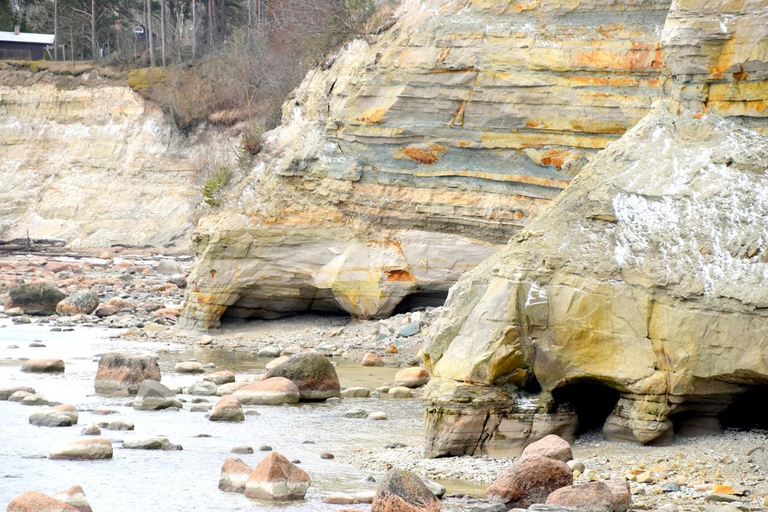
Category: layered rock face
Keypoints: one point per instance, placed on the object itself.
(642, 278)
(94, 165)
(636, 294)
(405, 161)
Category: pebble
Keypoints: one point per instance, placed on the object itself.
(243, 449)
(327, 456)
(265, 448)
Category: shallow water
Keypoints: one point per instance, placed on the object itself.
(181, 480)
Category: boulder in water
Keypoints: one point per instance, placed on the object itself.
(35, 298)
(83, 302)
(153, 396)
(276, 478)
(120, 371)
(402, 491)
(312, 373)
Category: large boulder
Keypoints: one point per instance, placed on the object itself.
(33, 501)
(312, 373)
(272, 391)
(83, 302)
(589, 497)
(120, 371)
(83, 449)
(35, 298)
(234, 475)
(530, 480)
(654, 244)
(402, 491)
(153, 396)
(43, 366)
(228, 408)
(276, 478)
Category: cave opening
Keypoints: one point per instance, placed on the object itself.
(745, 412)
(419, 301)
(592, 402)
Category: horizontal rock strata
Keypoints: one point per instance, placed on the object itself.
(405, 161)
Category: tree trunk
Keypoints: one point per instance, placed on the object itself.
(94, 45)
(194, 29)
(55, 29)
(211, 25)
(149, 34)
(162, 28)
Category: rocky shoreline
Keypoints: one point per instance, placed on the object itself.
(716, 473)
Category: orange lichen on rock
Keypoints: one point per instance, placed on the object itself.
(423, 153)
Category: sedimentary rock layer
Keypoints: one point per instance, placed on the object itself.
(642, 277)
(407, 159)
(94, 165)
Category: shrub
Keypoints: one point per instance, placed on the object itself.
(214, 186)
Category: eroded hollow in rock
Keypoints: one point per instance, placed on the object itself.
(420, 300)
(591, 401)
(746, 410)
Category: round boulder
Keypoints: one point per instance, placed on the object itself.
(33, 501)
(312, 373)
(58, 416)
(234, 475)
(591, 497)
(403, 491)
(189, 367)
(151, 443)
(5, 393)
(125, 372)
(412, 377)
(43, 366)
(356, 392)
(372, 360)
(203, 388)
(228, 408)
(220, 378)
(273, 391)
(552, 446)
(276, 478)
(35, 298)
(83, 302)
(83, 449)
(530, 480)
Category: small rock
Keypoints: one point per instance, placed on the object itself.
(234, 475)
(409, 330)
(412, 377)
(189, 367)
(377, 416)
(228, 408)
(43, 366)
(327, 456)
(242, 449)
(276, 478)
(91, 430)
(269, 352)
(356, 413)
(400, 392)
(372, 360)
(552, 446)
(83, 449)
(402, 491)
(203, 388)
(356, 392)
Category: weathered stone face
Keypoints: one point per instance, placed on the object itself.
(641, 277)
(95, 165)
(412, 158)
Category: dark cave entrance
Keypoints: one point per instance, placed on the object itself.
(592, 402)
(419, 301)
(747, 410)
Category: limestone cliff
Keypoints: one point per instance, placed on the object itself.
(642, 284)
(410, 157)
(94, 164)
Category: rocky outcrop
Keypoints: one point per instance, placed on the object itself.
(406, 160)
(86, 160)
(632, 297)
(639, 279)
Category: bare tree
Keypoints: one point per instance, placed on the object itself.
(150, 35)
(162, 28)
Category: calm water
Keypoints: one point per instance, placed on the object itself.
(182, 480)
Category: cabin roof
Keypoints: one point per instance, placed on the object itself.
(26, 38)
